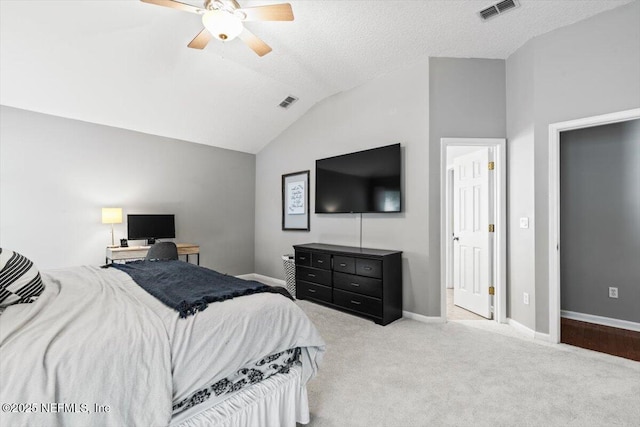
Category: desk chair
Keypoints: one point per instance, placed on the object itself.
(162, 251)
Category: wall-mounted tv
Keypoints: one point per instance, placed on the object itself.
(363, 182)
(151, 227)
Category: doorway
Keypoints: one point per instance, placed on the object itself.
(554, 248)
(473, 229)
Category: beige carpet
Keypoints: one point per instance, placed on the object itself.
(457, 313)
(466, 373)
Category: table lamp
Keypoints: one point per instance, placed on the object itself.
(112, 216)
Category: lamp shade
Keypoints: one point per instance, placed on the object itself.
(222, 25)
(112, 215)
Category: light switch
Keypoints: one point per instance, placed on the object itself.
(524, 222)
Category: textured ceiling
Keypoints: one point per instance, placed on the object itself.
(125, 63)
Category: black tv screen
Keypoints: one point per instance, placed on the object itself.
(151, 227)
(363, 182)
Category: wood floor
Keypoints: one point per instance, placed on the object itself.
(605, 339)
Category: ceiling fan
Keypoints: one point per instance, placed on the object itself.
(223, 19)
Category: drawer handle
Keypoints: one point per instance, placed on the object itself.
(342, 264)
(313, 291)
(355, 302)
(302, 258)
(320, 261)
(311, 275)
(366, 267)
(354, 284)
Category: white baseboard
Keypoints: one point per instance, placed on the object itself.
(600, 320)
(263, 279)
(422, 318)
(542, 337)
(521, 328)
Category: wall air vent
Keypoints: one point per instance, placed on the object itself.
(497, 9)
(286, 103)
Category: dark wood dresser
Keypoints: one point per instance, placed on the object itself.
(367, 282)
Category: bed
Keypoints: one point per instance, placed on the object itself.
(97, 349)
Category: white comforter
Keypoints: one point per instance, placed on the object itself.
(96, 349)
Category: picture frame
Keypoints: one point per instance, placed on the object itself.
(295, 201)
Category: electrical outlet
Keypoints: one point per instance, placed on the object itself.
(526, 298)
(613, 292)
(524, 222)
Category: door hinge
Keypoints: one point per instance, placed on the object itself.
(492, 228)
(492, 166)
(492, 290)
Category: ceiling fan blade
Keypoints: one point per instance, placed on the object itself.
(273, 12)
(257, 45)
(200, 41)
(174, 5)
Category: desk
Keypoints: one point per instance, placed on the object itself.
(139, 252)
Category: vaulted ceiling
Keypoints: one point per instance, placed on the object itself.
(125, 63)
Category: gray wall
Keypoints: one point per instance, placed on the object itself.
(585, 69)
(391, 108)
(520, 189)
(466, 100)
(600, 220)
(56, 174)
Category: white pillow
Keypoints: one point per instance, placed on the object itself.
(20, 280)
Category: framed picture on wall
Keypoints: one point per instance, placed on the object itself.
(295, 201)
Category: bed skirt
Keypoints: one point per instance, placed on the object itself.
(278, 401)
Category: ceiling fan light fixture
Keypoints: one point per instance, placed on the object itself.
(222, 25)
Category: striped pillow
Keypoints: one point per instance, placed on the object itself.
(20, 280)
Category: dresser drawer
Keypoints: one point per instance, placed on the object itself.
(321, 261)
(314, 275)
(303, 258)
(369, 267)
(312, 291)
(357, 302)
(358, 284)
(344, 264)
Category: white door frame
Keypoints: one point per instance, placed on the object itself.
(554, 203)
(500, 146)
(449, 228)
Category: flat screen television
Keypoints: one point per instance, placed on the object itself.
(151, 227)
(363, 182)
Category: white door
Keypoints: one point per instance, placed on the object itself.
(472, 257)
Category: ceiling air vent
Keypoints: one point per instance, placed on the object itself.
(497, 9)
(286, 103)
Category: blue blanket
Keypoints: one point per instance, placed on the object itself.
(189, 288)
